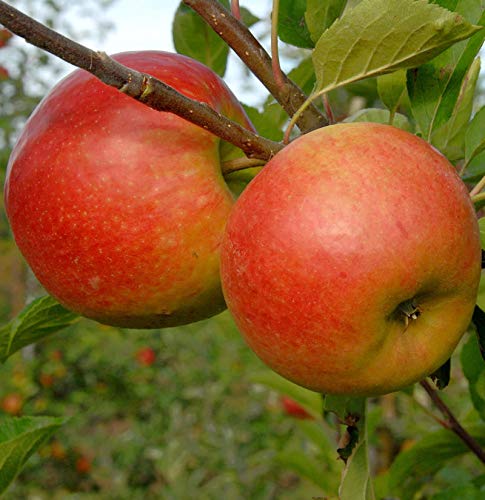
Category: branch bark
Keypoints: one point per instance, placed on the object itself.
(452, 423)
(139, 86)
(252, 53)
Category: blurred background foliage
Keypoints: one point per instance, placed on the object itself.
(191, 412)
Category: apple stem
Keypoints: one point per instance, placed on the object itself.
(478, 197)
(252, 53)
(452, 423)
(480, 185)
(409, 310)
(230, 166)
(142, 87)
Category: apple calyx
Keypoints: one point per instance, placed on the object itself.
(409, 310)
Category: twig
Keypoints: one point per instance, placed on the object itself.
(251, 52)
(452, 423)
(139, 86)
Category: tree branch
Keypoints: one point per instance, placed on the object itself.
(452, 423)
(252, 53)
(139, 86)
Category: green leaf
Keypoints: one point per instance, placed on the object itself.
(320, 15)
(434, 88)
(462, 55)
(382, 36)
(292, 27)
(475, 136)
(450, 137)
(248, 18)
(193, 37)
(475, 170)
(478, 319)
(474, 370)
(391, 88)
(467, 491)
(269, 123)
(40, 318)
(299, 462)
(418, 464)
(19, 439)
(311, 401)
(377, 115)
(304, 75)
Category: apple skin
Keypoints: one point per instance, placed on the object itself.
(339, 230)
(119, 209)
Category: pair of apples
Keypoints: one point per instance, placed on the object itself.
(350, 263)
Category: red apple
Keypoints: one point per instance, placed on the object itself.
(294, 409)
(351, 262)
(120, 209)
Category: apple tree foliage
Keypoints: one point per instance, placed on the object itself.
(411, 63)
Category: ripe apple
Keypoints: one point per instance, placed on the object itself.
(120, 209)
(351, 262)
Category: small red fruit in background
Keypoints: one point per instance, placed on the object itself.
(3, 73)
(294, 409)
(56, 355)
(46, 379)
(12, 403)
(58, 452)
(83, 465)
(146, 356)
(5, 36)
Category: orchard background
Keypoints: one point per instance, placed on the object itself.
(190, 412)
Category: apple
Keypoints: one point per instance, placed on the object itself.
(351, 262)
(294, 409)
(120, 209)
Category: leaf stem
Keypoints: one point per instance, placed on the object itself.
(230, 166)
(140, 86)
(296, 117)
(478, 197)
(275, 57)
(252, 53)
(452, 423)
(235, 10)
(480, 185)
